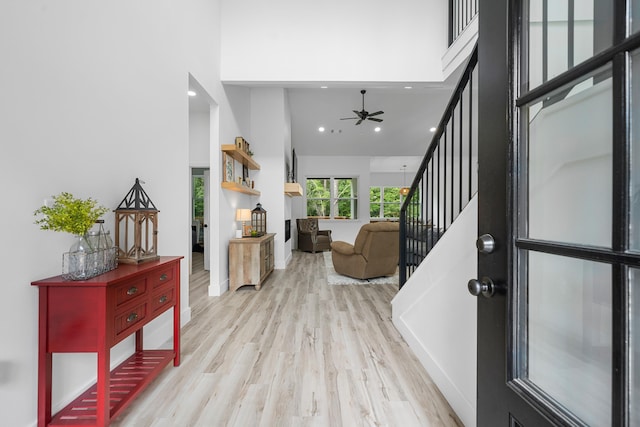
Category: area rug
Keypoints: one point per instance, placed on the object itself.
(334, 278)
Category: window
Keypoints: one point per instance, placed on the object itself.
(385, 202)
(332, 198)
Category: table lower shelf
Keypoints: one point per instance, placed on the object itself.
(127, 380)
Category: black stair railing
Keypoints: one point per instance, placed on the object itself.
(461, 13)
(447, 178)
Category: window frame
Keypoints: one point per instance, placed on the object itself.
(333, 199)
(382, 203)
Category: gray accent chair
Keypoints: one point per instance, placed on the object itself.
(310, 239)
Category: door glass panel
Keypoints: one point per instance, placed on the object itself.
(569, 333)
(634, 231)
(569, 163)
(562, 34)
(634, 349)
(635, 16)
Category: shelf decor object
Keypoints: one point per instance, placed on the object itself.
(239, 155)
(137, 227)
(258, 221)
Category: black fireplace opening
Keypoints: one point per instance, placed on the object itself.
(287, 230)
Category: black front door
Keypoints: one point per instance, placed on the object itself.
(559, 192)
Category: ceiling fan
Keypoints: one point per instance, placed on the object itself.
(363, 114)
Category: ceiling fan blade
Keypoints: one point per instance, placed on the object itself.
(350, 118)
(375, 119)
(359, 121)
(359, 113)
(376, 113)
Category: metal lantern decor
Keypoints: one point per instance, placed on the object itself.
(136, 227)
(258, 221)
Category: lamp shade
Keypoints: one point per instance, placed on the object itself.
(243, 214)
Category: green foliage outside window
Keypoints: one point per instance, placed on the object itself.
(318, 197)
(323, 193)
(385, 202)
(198, 197)
(374, 202)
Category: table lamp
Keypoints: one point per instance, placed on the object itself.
(244, 215)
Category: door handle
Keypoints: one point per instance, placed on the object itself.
(484, 286)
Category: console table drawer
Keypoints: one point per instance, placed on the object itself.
(163, 299)
(161, 277)
(129, 318)
(129, 291)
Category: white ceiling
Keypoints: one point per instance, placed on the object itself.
(404, 136)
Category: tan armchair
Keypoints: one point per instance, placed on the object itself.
(310, 239)
(375, 252)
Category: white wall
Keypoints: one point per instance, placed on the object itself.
(199, 136)
(437, 316)
(333, 40)
(235, 121)
(270, 129)
(95, 96)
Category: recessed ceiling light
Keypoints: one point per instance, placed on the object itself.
(323, 87)
(432, 130)
(377, 129)
(321, 129)
(191, 93)
(408, 87)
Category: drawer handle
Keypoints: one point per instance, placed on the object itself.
(163, 277)
(163, 299)
(132, 290)
(132, 317)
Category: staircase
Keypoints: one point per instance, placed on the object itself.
(438, 227)
(447, 178)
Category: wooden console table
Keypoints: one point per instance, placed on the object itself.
(250, 260)
(94, 315)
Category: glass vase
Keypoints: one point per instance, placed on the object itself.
(80, 261)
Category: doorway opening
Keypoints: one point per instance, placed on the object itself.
(202, 131)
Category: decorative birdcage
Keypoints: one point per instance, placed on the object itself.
(258, 221)
(136, 235)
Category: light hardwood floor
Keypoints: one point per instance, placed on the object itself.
(296, 353)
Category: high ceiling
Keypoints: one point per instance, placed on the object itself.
(405, 131)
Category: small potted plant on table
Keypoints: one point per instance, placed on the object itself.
(75, 216)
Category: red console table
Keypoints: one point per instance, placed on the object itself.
(92, 316)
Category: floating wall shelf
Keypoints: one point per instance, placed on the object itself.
(240, 188)
(240, 156)
(292, 189)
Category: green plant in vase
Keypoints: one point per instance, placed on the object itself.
(75, 216)
(70, 214)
